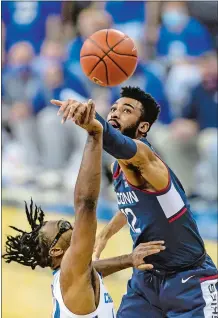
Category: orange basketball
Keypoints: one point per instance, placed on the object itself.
(108, 57)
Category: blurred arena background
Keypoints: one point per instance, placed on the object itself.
(41, 41)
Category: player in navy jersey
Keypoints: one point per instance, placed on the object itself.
(183, 282)
(78, 290)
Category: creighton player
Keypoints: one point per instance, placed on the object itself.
(78, 290)
(183, 282)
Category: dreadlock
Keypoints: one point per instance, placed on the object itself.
(29, 248)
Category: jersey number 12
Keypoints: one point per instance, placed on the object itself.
(134, 220)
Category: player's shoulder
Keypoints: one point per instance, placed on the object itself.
(143, 144)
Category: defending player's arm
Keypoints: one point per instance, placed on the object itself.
(79, 255)
(135, 259)
(130, 153)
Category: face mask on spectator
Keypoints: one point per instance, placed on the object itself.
(174, 19)
(23, 68)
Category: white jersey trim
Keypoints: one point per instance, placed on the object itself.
(171, 202)
(64, 310)
(210, 296)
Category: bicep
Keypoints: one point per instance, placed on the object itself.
(149, 167)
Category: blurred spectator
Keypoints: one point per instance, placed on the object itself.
(195, 135)
(207, 13)
(202, 106)
(70, 13)
(51, 51)
(129, 18)
(181, 36)
(89, 21)
(3, 43)
(20, 84)
(179, 83)
(26, 21)
(54, 142)
(34, 124)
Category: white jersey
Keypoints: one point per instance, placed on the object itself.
(105, 308)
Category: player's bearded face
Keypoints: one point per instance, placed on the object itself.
(125, 116)
(131, 130)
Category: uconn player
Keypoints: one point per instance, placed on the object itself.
(78, 290)
(183, 282)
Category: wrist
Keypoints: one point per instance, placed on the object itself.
(95, 133)
(95, 129)
(127, 261)
(106, 233)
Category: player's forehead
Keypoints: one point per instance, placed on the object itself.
(50, 226)
(131, 102)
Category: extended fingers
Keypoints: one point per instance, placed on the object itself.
(56, 102)
(145, 267)
(92, 111)
(73, 109)
(88, 112)
(151, 243)
(79, 114)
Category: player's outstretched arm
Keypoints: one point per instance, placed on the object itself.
(135, 259)
(132, 153)
(79, 255)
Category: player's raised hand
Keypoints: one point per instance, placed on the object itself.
(83, 114)
(68, 109)
(143, 250)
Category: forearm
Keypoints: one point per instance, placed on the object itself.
(112, 265)
(90, 173)
(85, 201)
(114, 226)
(115, 143)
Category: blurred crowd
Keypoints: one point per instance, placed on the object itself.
(177, 45)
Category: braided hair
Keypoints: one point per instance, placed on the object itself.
(29, 248)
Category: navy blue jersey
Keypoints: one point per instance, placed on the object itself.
(162, 215)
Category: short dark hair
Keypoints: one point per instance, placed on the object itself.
(151, 109)
(29, 248)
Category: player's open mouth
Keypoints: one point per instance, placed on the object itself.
(115, 124)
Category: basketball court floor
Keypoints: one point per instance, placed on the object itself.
(27, 293)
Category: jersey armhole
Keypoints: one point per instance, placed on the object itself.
(116, 170)
(158, 192)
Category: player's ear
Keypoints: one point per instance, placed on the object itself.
(143, 127)
(56, 252)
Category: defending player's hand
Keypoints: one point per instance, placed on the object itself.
(143, 250)
(83, 114)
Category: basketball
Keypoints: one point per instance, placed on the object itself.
(108, 57)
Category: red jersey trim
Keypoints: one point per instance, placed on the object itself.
(117, 172)
(178, 215)
(203, 279)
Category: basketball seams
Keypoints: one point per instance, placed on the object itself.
(106, 72)
(124, 54)
(100, 60)
(106, 54)
(112, 48)
(86, 55)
